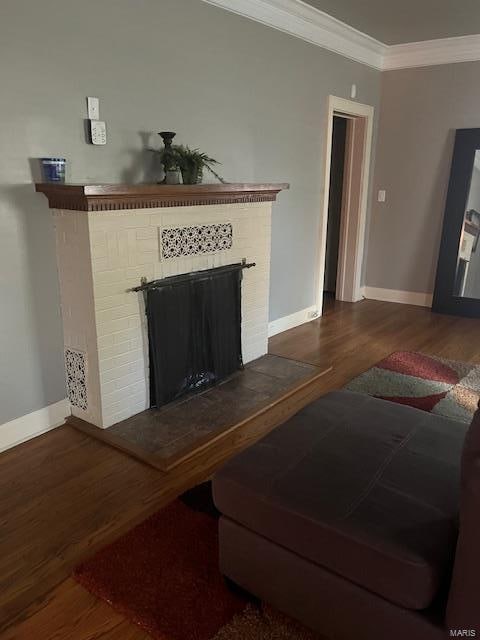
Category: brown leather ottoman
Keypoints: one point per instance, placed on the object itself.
(346, 517)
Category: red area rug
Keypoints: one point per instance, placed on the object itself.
(445, 387)
(163, 575)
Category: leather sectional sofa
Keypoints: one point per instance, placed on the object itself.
(360, 518)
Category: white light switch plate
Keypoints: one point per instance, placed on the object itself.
(93, 107)
(382, 194)
(98, 132)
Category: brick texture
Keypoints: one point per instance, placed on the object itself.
(116, 249)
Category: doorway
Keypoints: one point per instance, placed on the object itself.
(342, 229)
(337, 172)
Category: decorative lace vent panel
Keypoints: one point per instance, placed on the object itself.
(75, 367)
(188, 241)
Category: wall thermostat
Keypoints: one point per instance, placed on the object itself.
(98, 132)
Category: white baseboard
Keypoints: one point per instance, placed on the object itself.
(403, 297)
(33, 424)
(291, 321)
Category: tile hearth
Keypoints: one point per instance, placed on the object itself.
(164, 437)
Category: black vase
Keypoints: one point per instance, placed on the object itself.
(167, 137)
(168, 156)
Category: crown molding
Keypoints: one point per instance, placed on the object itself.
(304, 21)
(317, 27)
(432, 52)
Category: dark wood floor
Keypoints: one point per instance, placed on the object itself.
(64, 494)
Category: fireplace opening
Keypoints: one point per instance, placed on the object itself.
(194, 330)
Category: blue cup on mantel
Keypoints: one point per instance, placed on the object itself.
(53, 169)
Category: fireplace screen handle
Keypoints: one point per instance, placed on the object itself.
(144, 285)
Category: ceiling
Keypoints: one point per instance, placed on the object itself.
(394, 22)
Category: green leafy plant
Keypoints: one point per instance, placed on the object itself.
(191, 162)
(170, 160)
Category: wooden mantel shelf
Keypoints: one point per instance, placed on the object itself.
(106, 197)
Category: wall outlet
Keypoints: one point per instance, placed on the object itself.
(98, 132)
(382, 194)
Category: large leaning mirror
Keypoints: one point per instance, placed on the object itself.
(457, 287)
(467, 276)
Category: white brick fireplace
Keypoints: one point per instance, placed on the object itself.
(104, 253)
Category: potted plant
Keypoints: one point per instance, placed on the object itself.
(181, 159)
(192, 163)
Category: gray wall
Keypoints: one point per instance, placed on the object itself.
(251, 96)
(420, 110)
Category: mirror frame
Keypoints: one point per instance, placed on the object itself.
(467, 142)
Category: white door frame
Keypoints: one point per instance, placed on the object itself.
(352, 235)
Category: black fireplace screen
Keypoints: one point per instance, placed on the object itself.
(194, 328)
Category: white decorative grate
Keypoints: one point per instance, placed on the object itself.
(75, 366)
(187, 241)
